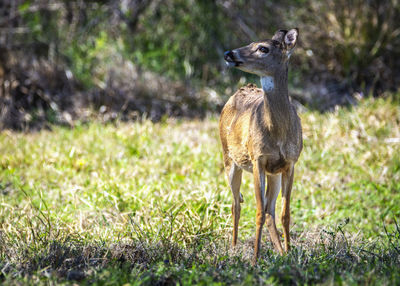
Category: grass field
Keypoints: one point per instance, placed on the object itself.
(145, 203)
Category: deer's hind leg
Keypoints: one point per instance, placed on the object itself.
(234, 174)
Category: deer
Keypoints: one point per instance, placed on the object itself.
(261, 133)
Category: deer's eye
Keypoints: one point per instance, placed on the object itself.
(263, 49)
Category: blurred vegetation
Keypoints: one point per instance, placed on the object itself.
(61, 60)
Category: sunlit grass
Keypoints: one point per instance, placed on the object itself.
(115, 183)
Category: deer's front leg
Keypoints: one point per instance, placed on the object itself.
(235, 177)
(287, 183)
(259, 185)
(274, 186)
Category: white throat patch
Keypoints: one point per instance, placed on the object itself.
(267, 83)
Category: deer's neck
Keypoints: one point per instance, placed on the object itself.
(276, 102)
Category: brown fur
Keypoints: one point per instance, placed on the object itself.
(261, 133)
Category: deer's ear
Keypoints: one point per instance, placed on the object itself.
(279, 35)
(290, 39)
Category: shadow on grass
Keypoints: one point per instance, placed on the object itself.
(331, 256)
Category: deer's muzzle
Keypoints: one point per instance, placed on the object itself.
(231, 59)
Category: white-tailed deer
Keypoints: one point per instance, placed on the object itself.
(261, 133)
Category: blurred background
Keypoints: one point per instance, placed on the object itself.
(64, 60)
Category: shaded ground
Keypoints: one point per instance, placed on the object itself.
(319, 257)
(37, 93)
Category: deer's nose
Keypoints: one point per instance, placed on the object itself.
(228, 56)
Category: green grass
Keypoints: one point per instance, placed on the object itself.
(145, 203)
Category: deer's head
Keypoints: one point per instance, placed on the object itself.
(264, 58)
